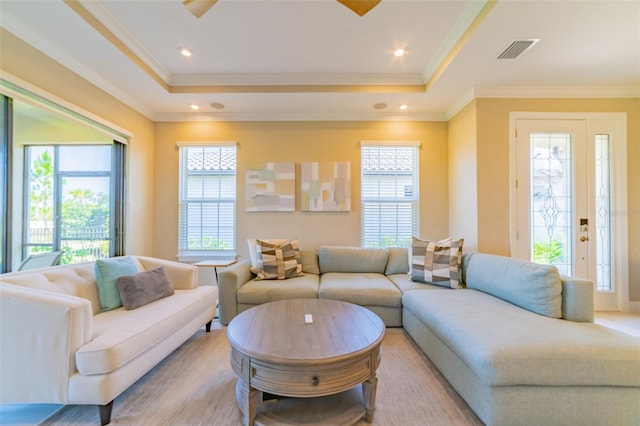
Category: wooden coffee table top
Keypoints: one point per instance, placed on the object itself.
(276, 332)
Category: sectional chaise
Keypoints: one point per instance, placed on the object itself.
(518, 342)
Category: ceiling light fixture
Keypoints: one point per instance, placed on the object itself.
(194, 107)
(217, 105)
(399, 52)
(185, 51)
(404, 107)
(380, 105)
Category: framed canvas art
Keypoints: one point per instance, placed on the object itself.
(270, 187)
(325, 187)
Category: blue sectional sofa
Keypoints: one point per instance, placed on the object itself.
(518, 343)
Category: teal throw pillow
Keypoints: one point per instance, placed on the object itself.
(107, 272)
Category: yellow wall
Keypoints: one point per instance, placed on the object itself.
(492, 120)
(469, 160)
(25, 62)
(463, 188)
(300, 142)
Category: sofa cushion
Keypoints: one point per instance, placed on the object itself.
(352, 259)
(436, 262)
(120, 335)
(309, 260)
(398, 262)
(505, 345)
(77, 279)
(279, 261)
(405, 283)
(144, 287)
(255, 292)
(531, 286)
(366, 289)
(107, 272)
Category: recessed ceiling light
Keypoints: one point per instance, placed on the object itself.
(217, 105)
(380, 105)
(185, 51)
(399, 52)
(404, 107)
(194, 107)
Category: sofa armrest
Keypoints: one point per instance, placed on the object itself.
(230, 280)
(182, 275)
(41, 332)
(577, 299)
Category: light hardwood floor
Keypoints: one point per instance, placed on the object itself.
(627, 322)
(12, 414)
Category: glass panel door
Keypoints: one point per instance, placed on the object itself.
(551, 200)
(69, 201)
(552, 195)
(564, 199)
(84, 218)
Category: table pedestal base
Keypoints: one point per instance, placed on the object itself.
(345, 408)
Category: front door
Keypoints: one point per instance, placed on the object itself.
(564, 200)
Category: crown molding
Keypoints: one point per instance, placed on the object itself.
(18, 28)
(557, 92)
(178, 80)
(121, 34)
(292, 116)
(459, 104)
(465, 25)
(549, 92)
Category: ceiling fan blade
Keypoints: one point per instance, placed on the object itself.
(360, 6)
(198, 7)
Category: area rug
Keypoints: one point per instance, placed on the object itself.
(195, 385)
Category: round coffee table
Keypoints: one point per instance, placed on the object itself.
(309, 370)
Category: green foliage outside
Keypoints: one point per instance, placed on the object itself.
(85, 216)
(548, 252)
(387, 241)
(207, 243)
(41, 189)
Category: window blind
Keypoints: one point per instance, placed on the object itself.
(207, 203)
(390, 196)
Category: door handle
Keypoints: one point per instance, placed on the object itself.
(584, 238)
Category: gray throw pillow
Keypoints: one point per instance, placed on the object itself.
(437, 262)
(144, 287)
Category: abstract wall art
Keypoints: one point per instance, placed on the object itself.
(270, 187)
(325, 187)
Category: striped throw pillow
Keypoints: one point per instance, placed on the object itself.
(437, 262)
(278, 261)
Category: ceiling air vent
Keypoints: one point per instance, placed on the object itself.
(516, 48)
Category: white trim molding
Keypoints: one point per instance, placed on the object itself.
(619, 213)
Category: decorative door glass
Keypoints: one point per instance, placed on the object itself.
(603, 212)
(551, 200)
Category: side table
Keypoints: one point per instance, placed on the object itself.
(215, 264)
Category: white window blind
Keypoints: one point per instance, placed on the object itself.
(207, 216)
(390, 196)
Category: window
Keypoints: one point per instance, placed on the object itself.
(71, 201)
(5, 174)
(207, 218)
(390, 197)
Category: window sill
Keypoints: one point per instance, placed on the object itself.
(199, 257)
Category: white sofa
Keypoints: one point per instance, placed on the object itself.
(58, 347)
